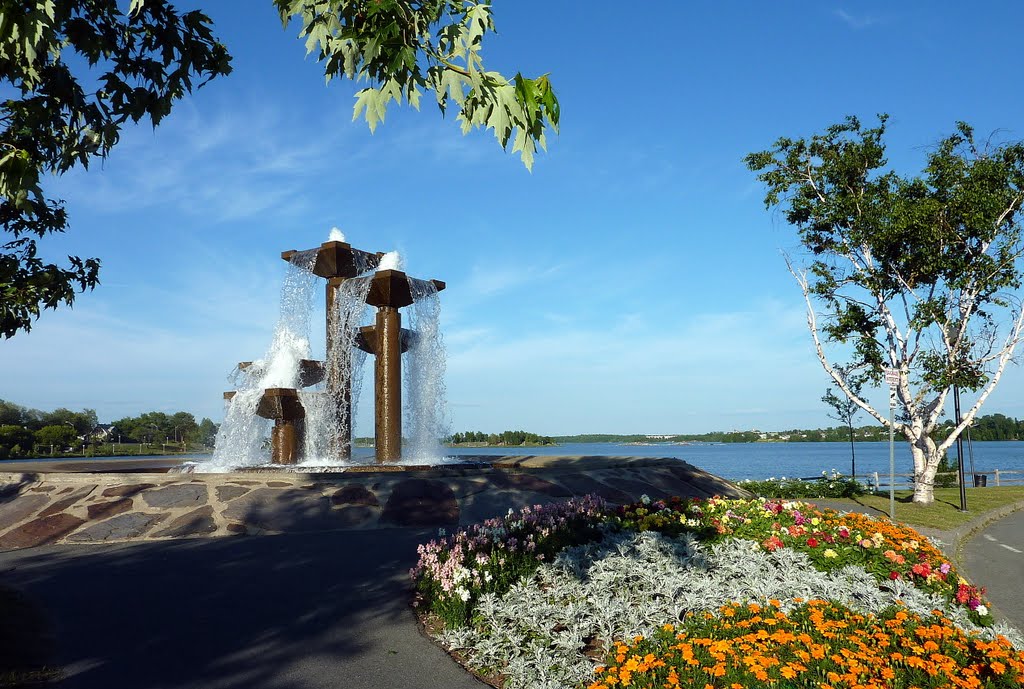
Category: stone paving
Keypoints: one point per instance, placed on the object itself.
(41, 508)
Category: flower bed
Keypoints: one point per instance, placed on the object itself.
(541, 597)
(831, 540)
(818, 644)
(453, 572)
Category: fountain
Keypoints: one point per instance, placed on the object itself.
(315, 426)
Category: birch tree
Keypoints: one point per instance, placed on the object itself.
(912, 273)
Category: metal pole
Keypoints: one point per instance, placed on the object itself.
(892, 460)
(960, 450)
(388, 385)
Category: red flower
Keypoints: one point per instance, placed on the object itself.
(894, 575)
(812, 542)
(773, 543)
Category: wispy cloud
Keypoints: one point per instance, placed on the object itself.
(486, 280)
(675, 371)
(857, 22)
(221, 164)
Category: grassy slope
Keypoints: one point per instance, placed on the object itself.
(945, 512)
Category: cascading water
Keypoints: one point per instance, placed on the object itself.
(241, 439)
(426, 408)
(331, 424)
(322, 416)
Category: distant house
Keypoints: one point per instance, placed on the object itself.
(104, 433)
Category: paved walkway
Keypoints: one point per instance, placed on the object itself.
(995, 559)
(293, 611)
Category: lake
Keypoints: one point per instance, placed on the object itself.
(757, 460)
(764, 460)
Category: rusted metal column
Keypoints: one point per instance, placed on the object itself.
(284, 442)
(286, 439)
(339, 386)
(388, 385)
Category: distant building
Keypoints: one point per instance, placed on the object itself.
(104, 433)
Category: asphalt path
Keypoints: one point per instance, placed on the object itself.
(298, 611)
(995, 559)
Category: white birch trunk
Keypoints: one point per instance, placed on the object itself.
(926, 463)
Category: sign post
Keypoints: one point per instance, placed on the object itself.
(892, 378)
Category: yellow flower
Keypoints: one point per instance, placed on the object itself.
(829, 553)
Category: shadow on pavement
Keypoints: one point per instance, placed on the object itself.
(306, 610)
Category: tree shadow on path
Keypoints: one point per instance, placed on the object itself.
(304, 610)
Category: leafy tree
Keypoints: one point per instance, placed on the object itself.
(845, 409)
(139, 63)
(15, 441)
(183, 425)
(404, 48)
(83, 421)
(135, 64)
(58, 436)
(12, 414)
(205, 433)
(915, 274)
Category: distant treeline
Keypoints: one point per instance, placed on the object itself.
(989, 427)
(503, 438)
(26, 432)
(715, 437)
(994, 427)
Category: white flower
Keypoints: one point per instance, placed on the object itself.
(462, 593)
(645, 499)
(981, 610)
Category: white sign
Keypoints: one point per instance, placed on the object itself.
(892, 376)
(892, 398)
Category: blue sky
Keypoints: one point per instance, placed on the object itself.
(632, 283)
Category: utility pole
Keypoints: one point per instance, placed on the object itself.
(960, 450)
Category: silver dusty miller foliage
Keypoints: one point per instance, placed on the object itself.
(632, 583)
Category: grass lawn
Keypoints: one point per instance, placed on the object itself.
(945, 512)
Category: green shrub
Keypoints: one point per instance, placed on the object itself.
(833, 485)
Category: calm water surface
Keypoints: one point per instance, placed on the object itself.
(764, 460)
(759, 460)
